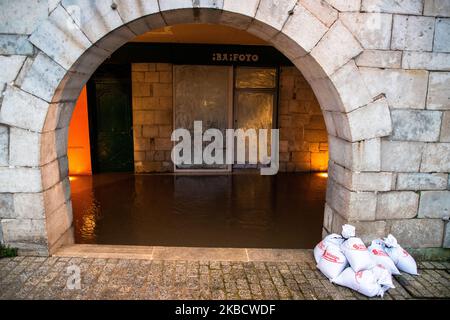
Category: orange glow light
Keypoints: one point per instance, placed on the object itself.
(78, 145)
(323, 174)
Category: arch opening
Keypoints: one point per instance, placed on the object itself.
(73, 61)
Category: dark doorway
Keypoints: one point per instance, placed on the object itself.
(110, 119)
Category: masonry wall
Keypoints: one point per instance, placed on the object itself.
(303, 135)
(380, 70)
(152, 116)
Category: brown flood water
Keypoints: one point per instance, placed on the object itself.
(238, 210)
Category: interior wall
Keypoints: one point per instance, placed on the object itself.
(303, 136)
(152, 116)
(79, 152)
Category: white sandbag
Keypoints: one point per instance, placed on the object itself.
(319, 249)
(357, 254)
(332, 262)
(402, 259)
(383, 276)
(380, 256)
(348, 231)
(364, 282)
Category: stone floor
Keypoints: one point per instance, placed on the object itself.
(47, 278)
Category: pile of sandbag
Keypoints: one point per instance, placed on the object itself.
(346, 261)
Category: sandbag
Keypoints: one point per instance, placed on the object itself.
(371, 283)
(380, 256)
(383, 276)
(348, 231)
(357, 254)
(362, 281)
(401, 258)
(332, 262)
(319, 249)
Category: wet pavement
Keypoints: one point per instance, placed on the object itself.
(49, 278)
(241, 210)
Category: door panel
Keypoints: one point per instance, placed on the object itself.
(202, 93)
(254, 103)
(112, 126)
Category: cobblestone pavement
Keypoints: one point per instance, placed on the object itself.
(46, 278)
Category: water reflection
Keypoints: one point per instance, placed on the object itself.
(239, 210)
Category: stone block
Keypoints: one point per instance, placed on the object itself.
(10, 67)
(328, 217)
(438, 61)
(412, 33)
(301, 157)
(436, 158)
(322, 10)
(403, 88)
(145, 23)
(360, 181)
(422, 181)
(29, 206)
(59, 222)
(11, 44)
(416, 125)
(247, 8)
(373, 30)
(25, 231)
(418, 233)
(343, 44)
(90, 60)
(273, 13)
(445, 128)
(114, 40)
(439, 91)
(149, 131)
(4, 146)
(6, 205)
(397, 205)
(55, 197)
(379, 59)
(401, 156)
(370, 121)
(440, 8)
(446, 243)
(393, 6)
(63, 166)
(43, 77)
(345, 5)
(369, 230)
(162, 90)
(23, 110)
(351, 205)
(434, 204)
(442, 35)
(358, 156)
(24, 149)
(347, 89)
(174, 4)
(304, 28)
(22, 17)
(130, 10)
(20, 180)
(95, 18)
(60, 39)
(52, 174)
(329, 122)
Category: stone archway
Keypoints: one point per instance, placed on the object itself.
(78, 35)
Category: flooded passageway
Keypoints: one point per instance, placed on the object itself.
(235, 210)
